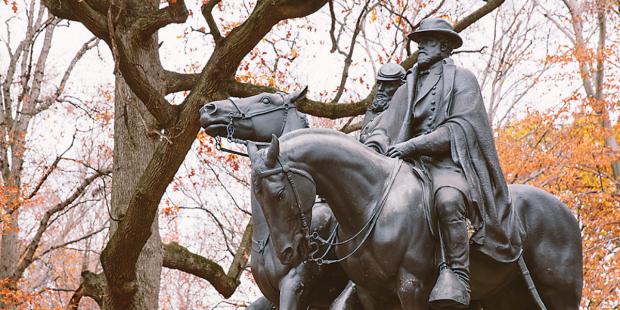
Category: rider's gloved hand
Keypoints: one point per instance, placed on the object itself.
(374, 148)
(401, 150)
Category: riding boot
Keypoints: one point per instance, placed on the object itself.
(452, 288)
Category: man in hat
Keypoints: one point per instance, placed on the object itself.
(438, 121)
(389, 78)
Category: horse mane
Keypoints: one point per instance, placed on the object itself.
(304, 119)
(308, 136)
(315, 131)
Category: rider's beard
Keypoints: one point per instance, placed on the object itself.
(380, 103)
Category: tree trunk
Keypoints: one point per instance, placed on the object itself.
(133, 148)
(9, 246)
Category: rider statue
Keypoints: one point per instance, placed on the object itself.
(389, 78)
(437, 121)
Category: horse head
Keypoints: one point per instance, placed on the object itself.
(253, 118)
(286, 195)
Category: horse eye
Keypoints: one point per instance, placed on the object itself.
(280, 195)
(265, 100)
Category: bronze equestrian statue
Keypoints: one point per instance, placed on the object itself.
(384, 239)
(389, 78)
(438, 120)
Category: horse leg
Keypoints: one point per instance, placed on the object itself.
(295, 286)
(514, 296)
(517, 296)
(411, 292)
(347, 300)
(559, 285)
(552, 251)
(368, 301)
(261, 304)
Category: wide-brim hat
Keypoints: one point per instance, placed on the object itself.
(437, 26)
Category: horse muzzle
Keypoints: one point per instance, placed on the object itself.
(293, 253)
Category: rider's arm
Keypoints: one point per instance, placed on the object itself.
(377, 143)
(434, 143)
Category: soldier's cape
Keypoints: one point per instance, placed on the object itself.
(498, 230)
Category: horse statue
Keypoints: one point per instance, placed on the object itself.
(298, 286)
(384, 240)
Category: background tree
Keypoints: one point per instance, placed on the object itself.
(32, 176)
(570, 148)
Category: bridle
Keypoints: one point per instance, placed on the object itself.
(331, 240)
(288, 171)
(239, 116)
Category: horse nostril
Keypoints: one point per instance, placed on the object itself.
(286, 254)
(208, 108)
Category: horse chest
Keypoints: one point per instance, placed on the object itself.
(371, 264)
(267, 272)
(368, 272)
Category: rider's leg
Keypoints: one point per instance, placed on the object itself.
(450, 205)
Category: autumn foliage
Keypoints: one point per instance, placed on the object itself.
(563, 153)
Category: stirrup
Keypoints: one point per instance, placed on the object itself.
(449, 291)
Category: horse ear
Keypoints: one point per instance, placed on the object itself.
(298, 94)
(273, 152)
(252, 150)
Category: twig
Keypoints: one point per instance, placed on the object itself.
(348, 60)
(469, 51)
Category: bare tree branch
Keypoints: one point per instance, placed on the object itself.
(332, 28)
(92, 285)
(349, 128)
(207, 13)
(180, 258)
(47, 102)
(478, 51)
(473, 17)
(153, 100)
(80, 11)
(27, 257)
(50, 169)
(176, 82)
(64, 244)
(312, 107)
(175, 12)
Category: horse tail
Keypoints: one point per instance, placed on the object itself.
(530, 283)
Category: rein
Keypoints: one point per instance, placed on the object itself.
(230, 127)
(368, 227)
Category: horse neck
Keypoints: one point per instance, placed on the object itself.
(350, 180)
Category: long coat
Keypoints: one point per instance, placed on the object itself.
(463, 117)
